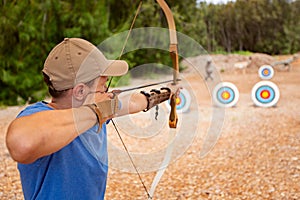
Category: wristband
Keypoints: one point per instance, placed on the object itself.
(98, 114)
(104, 109)
(156, 97)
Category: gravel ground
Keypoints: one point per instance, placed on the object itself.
(256, 157)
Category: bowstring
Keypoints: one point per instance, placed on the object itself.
(131, 160)
(127, 37)
(119, 135)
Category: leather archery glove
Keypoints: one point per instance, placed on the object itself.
(105, 110)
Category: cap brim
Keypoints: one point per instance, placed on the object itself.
(115, 68)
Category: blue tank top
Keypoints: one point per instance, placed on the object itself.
(77, 171)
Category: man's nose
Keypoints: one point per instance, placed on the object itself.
(105, 78)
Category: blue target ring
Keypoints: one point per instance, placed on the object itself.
(269, 94)
(225, 95)
(266, 72)
(183, 101)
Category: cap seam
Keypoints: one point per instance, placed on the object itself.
(69, 60)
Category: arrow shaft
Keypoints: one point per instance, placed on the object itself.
(144, 86)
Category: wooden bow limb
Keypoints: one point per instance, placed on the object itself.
(173, 118)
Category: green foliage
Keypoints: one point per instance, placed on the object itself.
(243, 53)
(30, 29)
(256, 26)
(34, 28)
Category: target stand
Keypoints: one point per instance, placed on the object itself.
(183, 101)
(265, 94)
(266, 72)
(225, 94)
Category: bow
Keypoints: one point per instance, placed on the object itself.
(173, 118)
(174, 56)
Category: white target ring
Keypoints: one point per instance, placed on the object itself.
(225, 94)
(265, 94)
(183, 101)
(266, 72)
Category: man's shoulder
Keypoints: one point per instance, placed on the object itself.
(34, 108)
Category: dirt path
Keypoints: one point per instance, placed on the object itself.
(256, 157)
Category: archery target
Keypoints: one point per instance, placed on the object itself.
(265, 94)
(266, 72)
(225, 94)
(183, 101)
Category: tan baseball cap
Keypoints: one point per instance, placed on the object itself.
(76, 60)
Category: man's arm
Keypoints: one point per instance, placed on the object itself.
(132, 103)
(40, 134)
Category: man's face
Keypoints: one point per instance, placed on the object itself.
(98, 91)
(100, 83)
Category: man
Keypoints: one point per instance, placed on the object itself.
(209, 69)
(60, 146)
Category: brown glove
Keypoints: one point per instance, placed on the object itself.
(105, 109)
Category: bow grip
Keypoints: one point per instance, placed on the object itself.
(173, 118)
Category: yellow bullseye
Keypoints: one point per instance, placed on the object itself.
(225, 95)
(265, 94)
(178, 101)
(266, 72)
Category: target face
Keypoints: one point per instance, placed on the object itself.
(265, 94)
(183, 101)
(266, 72)
(225, 94)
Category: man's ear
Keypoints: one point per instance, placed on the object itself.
(80, 91)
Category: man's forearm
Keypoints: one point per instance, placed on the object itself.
(132, 104)
(31, 137)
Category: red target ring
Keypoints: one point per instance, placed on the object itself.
(265, 94)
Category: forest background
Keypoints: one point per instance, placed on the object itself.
(29, 29)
